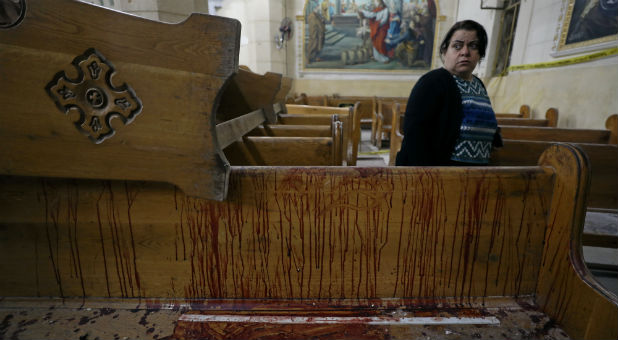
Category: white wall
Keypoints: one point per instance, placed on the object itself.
(490, 19)
(171, 11)
(260, 21)
(585, 94)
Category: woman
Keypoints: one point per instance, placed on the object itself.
(449, 119)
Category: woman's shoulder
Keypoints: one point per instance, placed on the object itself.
(438, 74)
(437, 77)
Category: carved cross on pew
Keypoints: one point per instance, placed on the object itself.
(93, 97)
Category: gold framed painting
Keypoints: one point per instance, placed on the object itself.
(588, 25)
(388, 36)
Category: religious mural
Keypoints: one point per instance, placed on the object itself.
(369, 34)
(589, 22)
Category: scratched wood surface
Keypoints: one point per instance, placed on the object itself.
(346, 116)
(603, 165)
(175, 70)
(593, 136)
(282, 233)
(283, 150)
(564, 285)
(313, 235)
(288, 130)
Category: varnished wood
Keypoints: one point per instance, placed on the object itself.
(524, 112)
(385, 118)
(551, 119)
(346, 115)
(612, 125)
(278, 151)
(597, 136)
(396, 133)
(288, 130)
(603, 162)
(566, 290)
(233, 129)
(172, 139)
(323, 235)
(600, 240)
(247, 91)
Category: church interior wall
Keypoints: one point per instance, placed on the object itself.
(585, 94)
(567, 88)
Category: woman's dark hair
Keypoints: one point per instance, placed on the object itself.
(468, 25)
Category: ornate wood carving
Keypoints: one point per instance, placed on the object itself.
(93, 96)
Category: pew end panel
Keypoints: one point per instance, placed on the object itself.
(566, 290)
(396, 133)
(552, 117)
(81, 102)
(612, 125)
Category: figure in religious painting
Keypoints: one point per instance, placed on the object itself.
(378, 19)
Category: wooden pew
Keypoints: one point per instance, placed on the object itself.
(524, 112)
(396, 138)
(381, 251)
(551, 120)
(287, 252)
(381, 119)
(283, 145)
(594, 136)
(288, 130)
(346, 116)
(303, 99)
(385, 118)
(366, 106)
(603, 196)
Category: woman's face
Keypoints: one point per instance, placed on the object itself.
(462, 54)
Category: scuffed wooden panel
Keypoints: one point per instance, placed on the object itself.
(282, 233)
(174, 73)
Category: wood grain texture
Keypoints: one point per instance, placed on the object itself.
(282, 233)
(594, 136)
(247, 91)
(566, 290)
(284, 151)
(603, 160)
(322, 115)
(288, 130)
(171, 140)
(314, 235)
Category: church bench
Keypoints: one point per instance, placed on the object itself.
(396, 133)
(550, 120)
(307, 252)
(346, 116)
(361, 108)
(284, 145)
(594, 136)
(281, 151)
(288, 130)
(603, 195)
(381, 119)
(384, 118)
(524, 112)
(115, 247)
(303, 99)
(365, 108)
